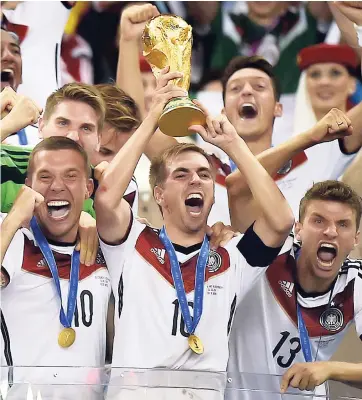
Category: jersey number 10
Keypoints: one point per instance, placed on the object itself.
(86, 304)
(176, 316)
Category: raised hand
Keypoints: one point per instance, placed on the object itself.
(334, 125)
(25, 204)
(99, 170)
(8, 98)
(134, 19)
(351, 9)
(22, 111)
(218, 130)
(165, 91)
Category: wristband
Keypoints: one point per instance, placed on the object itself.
(358, 29)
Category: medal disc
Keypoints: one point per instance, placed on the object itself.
(195, 344)
(66, 337)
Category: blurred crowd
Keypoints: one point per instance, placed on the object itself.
(282, 77)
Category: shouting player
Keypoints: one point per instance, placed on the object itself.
(304, 304)
(41, 274)
(251, 103)
(151, 289)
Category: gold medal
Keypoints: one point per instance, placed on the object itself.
(195, 344)
(66, 337)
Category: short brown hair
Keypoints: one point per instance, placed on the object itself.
(332, 191)
(158, 171)
(81, 92)
(55, 143)
(121, 110)
(256, 62)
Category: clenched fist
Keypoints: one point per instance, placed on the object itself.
(134, 19)
(26, 202)
(334, 125)
(17, 112)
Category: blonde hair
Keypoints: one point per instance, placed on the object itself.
(81, 92)
(122, 112)
(158, 170)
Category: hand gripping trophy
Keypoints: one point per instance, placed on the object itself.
(167, 41)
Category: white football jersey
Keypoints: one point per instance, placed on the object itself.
(149, 329)
(30, 316)
(267, 321)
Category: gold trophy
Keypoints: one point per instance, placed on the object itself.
(167, 40)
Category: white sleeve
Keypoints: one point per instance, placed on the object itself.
(358, 303)
(326, 161)
(339, 160)
(13, 259)
(116, 255)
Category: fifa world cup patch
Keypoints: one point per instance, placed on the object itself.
(331, 319)
(214, 262)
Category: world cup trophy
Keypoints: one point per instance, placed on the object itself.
(167, 41)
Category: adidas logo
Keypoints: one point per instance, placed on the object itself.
(160, 254)
(42, 263)
(287, 287)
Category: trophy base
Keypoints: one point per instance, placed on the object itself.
(179, 114)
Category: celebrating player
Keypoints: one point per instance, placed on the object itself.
(303, 305)
(251, 103)
(144, 263)
(40, 267)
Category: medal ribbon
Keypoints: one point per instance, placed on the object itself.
(191, 323)
(65, 320)
(233, 166)
(302, 329)
(304, 337)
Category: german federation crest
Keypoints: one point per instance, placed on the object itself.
(214, 261)
(332, 319)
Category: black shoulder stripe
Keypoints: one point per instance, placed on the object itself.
(350, 263)
(6, 338)
(346, 269)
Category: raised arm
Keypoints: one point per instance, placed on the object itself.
(113, 212)
(346, 14)
(132, 24)
(129, 78)
(271, 227)
(243, 207)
